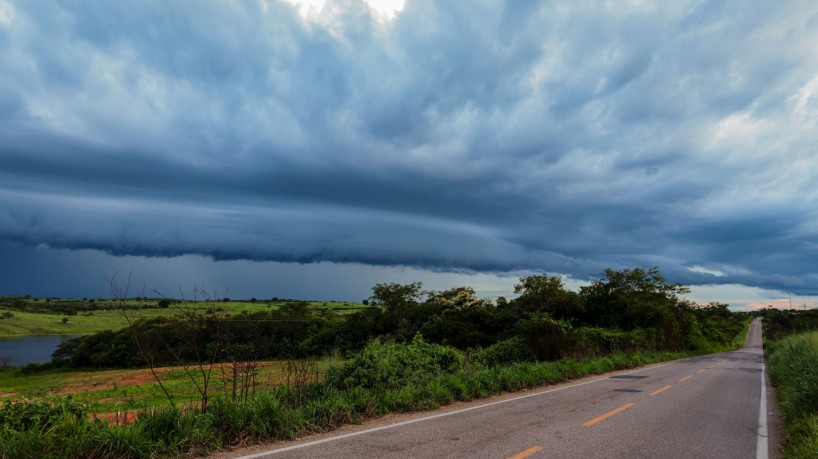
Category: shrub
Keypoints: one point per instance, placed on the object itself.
(545, 337)
(39, 414)
(511, 350)
(593, 341)
(397, 365)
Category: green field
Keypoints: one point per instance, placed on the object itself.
(106, 391)
(49, 318)
(28, 323)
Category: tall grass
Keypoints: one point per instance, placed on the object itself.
(793, 364)
(379, 380)
(277, 414)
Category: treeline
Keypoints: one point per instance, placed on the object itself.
(627, 310)
(206, 334)
(71, 307)
(779, 323)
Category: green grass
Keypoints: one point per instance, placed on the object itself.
(793, 365)
(281, 412)
(29, 323)
(109, 390)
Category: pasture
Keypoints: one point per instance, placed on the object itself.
(35, 316)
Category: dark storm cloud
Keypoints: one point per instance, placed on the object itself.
(483, 136)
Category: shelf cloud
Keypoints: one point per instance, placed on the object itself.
(455, 136)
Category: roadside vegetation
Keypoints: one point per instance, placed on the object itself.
(792, 357)
(108, 391)
(412, 350)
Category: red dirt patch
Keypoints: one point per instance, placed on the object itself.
(100, 380)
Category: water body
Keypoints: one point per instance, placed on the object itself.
(28, 349)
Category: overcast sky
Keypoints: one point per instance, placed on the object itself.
(271, 148)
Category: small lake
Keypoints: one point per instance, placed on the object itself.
(28, 349)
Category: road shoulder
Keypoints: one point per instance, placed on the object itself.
(775, 421)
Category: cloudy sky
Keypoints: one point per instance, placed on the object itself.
(311, 149)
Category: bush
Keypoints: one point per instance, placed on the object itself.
(39, 414)
(593, 341)
(34, 428)
(397, 365)
(545, 337)
(598, 341)
(511, 350)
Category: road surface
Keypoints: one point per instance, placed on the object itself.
(703, 407)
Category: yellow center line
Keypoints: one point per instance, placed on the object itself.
(712, 366)
(686, 378)
(700, 371)
(608, 414)
(660, 390)
(525, 453)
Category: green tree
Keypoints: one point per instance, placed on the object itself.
(546, 338)
(458, 299)
(542, 293)
(396, 297)
(631, 298)
(403, 312)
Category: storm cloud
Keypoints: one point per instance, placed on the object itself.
(483, 136)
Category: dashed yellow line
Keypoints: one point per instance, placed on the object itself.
(700, 371)
(660, 390)
(525, 453)
(686, 378)
(608, 414)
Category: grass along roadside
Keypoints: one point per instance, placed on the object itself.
(383, 379)
(793, 367)
(280, 413)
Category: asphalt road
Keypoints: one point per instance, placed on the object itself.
(703, 407)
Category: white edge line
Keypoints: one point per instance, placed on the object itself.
(434, 416)
(761, 442)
